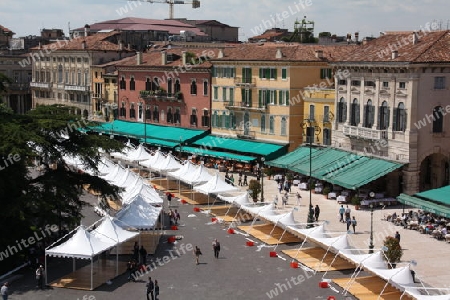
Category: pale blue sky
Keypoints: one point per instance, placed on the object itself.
(369, 17)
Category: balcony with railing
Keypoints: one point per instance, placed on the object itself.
(77, 88)
(161, 95)
(17, 86)
(246, 105)
(365, 133)
(245, 134)
(42, 85)
(245, 81)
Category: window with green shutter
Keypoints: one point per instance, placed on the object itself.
(216, 93)
(283, 73)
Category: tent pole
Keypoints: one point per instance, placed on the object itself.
(92, 274)
(73, 264)
(117, 260)
(45, 263)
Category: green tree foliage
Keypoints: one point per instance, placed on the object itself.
(394, 251)
(31, 199)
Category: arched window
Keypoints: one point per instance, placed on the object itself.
(205, 118)
(263, 123)
(148, 113)
(132, 111)
(155, 84)
(193, 87)
(205, 88)
(169, 115)
(272, 125)
(123, 84)
(148, 84)
(123, 110)
(383, 116)
(162, 115)
(169, 86)
(369, 116)
(193, 119)
(399, 117)
(132, 84)
(354, 117)
(177, 116)
(177, 86)
(283, 126)
(327, 136)
(140, 111)
(438, 120)
(155, 114)
(342, 111)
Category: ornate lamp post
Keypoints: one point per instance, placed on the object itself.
(371, 229)
(262, 178)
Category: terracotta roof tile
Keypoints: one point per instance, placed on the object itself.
(4, 29)
(430, 47)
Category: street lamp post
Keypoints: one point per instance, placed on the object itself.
(306, 127)
(262, 178)
(371, 230)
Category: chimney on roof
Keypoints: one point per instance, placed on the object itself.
(319, 53)
(415, 38)
(87, 29)
(356, 37)
(138, 58)
(349, 38)
(83, 45)
(278, 54)
(183, 56)
(163, 58)
(220, 54)
(394, 54)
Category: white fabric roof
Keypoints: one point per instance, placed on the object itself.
(81, 245)
(397, 277)
(287, 220)
(317, 231)
(273, 215)
(138, 214)
(108, 230)
(257, 208)
(238, 200)
(124, 153)
(200, 176)
(138, 154)
(169, 163)
(147, 192)
(157, 156)
(415, 292)
(129, 178)
(186, 170)
(356, 258)
(105, 166)
(214, 186)
(338, 243)
(116, 171)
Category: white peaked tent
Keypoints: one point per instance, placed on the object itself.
(169, 163)
(77, 162)
(138, 214)
(146, 191)
(138, 154)
(116, 171)
(200, 176)
(317, 231)
(82, 245)
(186, 170)
(157, 156)
(256, 208)
(105, 166)
(237, 200)
(109, 230)
(339, 242)
(215, 185)
(273, 215)
(129, 178)
(124, 153)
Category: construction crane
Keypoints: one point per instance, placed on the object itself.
(195, 4)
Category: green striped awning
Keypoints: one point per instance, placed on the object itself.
(440, 195)
(219, 154)
(291, 158)
(440, 210)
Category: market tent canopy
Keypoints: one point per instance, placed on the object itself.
(214, 186)
(291, 158)
(186, 170)
(109, 230)
(270, 151)
(162, 134)
(138, 214)
(201, 175)
(218, 154)
(81, 245)
(138, 154)
(440, 195)
(437, 209)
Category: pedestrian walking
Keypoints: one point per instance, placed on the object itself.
(150, 289)
(245, 180)
(354, 224)
(156, 290)
(40, 277)
(143, 254)
(232, 180)
(347, 213)
(171, 217)
(240, 179)
(397, 236)
(216, 248)
(280, 187)
(316, 212)
(177, 217)
(4, 291)
(169, 198)
(131, 267)
(349, 222)
(197, 253)
(341, 213)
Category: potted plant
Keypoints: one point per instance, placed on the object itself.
(269, 172)
(393, 252)
(356, 201)
(255, 188)
(326, 190)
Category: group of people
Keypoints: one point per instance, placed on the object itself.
(174, 217)
(345, 217)
(152, 289)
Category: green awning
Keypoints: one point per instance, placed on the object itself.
(151, 131)
(440, 210)
(291, 158)
(218, 154)
(268, 150)
(161, 143)
(360, 172)
(440, 195)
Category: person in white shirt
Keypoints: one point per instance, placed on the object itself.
(4, 291)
